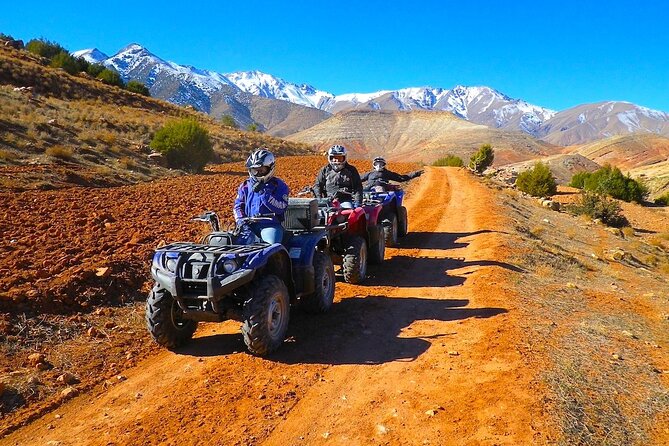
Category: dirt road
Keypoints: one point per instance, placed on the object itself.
(425, 352)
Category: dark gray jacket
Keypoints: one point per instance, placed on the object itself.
(330, 183)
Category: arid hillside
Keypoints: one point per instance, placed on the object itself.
(629, 151)
(491, 302)
(61, 130)
(562, 166)
(419, 135)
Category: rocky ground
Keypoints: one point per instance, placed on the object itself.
(497, 321)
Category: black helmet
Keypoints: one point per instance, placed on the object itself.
(337, 157)
(260, 164)
(379, 163)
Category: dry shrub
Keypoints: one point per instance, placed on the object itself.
(651, 260)
(106, 137)
(628, 231)
(7, 155)
(537, 231)
(60, 152)
(127, 163)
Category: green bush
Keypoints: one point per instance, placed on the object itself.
(610, 181)
(110, 77)
(599, 206)
(94, 69)
(663, 199)
(45, 48)
(449, 161)
(185, 144)
(482, 159)
(65, 61)
(578, 180)
(229, 121)
(253, 127)
(137, 87)
(538, 181)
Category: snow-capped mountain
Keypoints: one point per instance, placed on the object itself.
(590, 122)
(218, 93)
(92, 55)
(481, 105)
(268, 86)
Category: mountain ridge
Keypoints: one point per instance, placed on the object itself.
(205, 89)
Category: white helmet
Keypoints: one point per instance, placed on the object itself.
(260, 164)
(337, 157)
(379, 163)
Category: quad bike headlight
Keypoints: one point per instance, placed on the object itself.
(171, 264)
(230, 266)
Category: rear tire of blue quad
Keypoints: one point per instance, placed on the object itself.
(402, 221)
(354, 264)
(164, 321)
(377, 251)
(266, 314)
(320, 301)
(390, 230)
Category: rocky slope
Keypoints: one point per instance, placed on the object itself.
(419, 136)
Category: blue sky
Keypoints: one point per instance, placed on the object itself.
(556, 54)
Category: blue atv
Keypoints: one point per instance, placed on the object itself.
(219, 279)
(393, 215)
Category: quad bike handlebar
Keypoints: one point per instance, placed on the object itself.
(211, 218)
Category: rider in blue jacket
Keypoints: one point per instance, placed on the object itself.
(261, 194)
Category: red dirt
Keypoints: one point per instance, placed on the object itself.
(425, 352)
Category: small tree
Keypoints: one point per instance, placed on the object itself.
(449, 161)
(185, 144)
(65, 61)
(538, 181)
(138, 87)
(229, 121)
(578, 180)
(45, 48)
(110, 77)
(482, 159)
(94, 69)
(602, 208)
(253, 127)
(610, 181)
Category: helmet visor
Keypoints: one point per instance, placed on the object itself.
(379, 164)
(337, 158)
(259, 171)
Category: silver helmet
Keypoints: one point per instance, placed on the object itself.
(260, 164)
(337, 157)
(379, 163)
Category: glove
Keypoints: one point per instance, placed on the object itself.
(258, 185)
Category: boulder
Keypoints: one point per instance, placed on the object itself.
(36, 358)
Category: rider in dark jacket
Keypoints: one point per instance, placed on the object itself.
(339, 179)
(381, 176)
(261, 194)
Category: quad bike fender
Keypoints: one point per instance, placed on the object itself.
(301, 250)
(373, 212)
(274, 259)
(357, 222)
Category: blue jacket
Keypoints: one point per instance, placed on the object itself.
(271, 198)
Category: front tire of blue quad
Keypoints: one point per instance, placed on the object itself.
(390, 230)
(377, 251)
(266, 314)
(320, 301)
(354, 264)
(164, 320)
(402, 221)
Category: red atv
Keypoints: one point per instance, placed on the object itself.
(355, 235)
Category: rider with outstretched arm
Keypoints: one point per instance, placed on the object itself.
(262, 194)
(381, 176)
(338, 179)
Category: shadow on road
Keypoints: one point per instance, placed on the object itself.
(358, 330)
(437, 240)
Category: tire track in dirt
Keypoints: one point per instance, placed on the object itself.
(431, 359)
